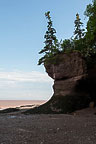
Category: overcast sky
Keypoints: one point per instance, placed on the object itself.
(22, 29)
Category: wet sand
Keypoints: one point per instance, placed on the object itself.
(17, 103)
(79, 128)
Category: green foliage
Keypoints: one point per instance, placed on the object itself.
(61, 104)
(79, 32)
(91, 24)
(51, 42)
(84, 42)
(76, 42)
(67, 45)
(78, 37)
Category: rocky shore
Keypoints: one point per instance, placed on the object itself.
(69, 117)
(77, 128)
(74, 84)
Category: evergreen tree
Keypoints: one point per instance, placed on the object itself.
(91, 24)
(79, 32)
(67, 45)
(51, 42)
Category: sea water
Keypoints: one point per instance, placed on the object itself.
(17, 103)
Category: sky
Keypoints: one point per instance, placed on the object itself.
(22, 28)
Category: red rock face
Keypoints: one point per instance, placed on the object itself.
(69, 65)
(74, 84)
(69, 70)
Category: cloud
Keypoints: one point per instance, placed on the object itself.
(7, 78)
(1, 69)
(25, 85)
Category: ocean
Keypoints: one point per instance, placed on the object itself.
(17, 103)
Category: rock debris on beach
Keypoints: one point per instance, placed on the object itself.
(48, 129)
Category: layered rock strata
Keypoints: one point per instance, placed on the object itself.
(74, 84)
(66, 74)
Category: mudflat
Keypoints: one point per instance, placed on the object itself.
(78, 128)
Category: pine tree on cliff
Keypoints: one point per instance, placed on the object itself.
(51, 42)
(79, 32)
(78, 38)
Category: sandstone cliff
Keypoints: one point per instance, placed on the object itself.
(74, 84)
(66, 73)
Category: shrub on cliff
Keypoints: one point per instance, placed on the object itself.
(91, 24)
(90, 36)
(84, 42)
(76, 42)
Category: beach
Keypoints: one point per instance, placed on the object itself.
(19, 103)
(76, 128)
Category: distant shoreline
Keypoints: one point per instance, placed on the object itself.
(19, 103)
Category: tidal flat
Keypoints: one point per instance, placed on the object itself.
(76, 128)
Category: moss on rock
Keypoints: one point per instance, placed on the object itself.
(59, 104)
(9, 110)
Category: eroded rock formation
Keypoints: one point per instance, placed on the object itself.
(66, 73)
(74, 84)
